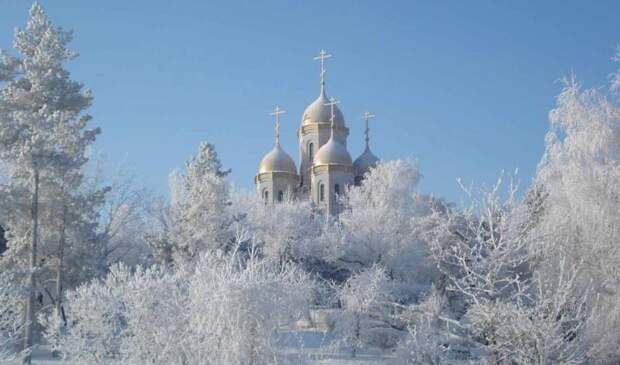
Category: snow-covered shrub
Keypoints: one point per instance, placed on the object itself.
(12, 297)
(364, 299)
(286, 231)
(380, 226)
(427, 340)
(224, 311)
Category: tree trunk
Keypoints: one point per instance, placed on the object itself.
(356, 335)
(61, 254)
(59, 277)
(28, 329)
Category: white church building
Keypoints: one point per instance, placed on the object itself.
(325, 166)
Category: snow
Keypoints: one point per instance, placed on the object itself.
(308, 347)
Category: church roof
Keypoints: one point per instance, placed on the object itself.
(319, 112)
(332, 153)
(277, 161)
(364, 162)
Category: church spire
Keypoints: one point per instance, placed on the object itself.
(323, 55)
(277, 111)
(332, 104)
(367, 116)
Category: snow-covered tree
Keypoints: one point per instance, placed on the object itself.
(428, 339)
(223, 312)
(200, 206)
(580, 220)
(287, 231)
(364, 299)
(380, 226)
(43, 138)
(125, 220)
(11, 315)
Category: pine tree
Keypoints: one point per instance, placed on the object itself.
(199, 207)
(43, 139)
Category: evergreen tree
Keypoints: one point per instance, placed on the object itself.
(43, 139)
(198, 217)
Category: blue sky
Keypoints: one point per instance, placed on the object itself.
(464, 86)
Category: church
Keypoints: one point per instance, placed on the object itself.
(325, 165)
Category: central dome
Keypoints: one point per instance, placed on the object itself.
(318, 112)
(277, 161)
(332, 153)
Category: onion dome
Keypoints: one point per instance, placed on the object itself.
(365, 162)
(367, 159)
(277, 161)
(332, 153)
(319, 112)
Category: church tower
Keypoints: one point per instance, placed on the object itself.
(316, 129)
(277, 174)
(332, 169)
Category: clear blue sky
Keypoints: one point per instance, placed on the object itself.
(464, 86)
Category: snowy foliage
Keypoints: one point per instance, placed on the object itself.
(380, 225)
(427, 340)
(223, 312)
(199, 207)
(364, 299)
(50, 218)
(11, 315)
(287, 231)
(579, 176)
(213, 276)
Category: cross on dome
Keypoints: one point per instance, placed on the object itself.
(367, 116)
(323, 55)
(277, 111)
(332, 103)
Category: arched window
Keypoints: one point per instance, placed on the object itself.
(337, 189)
(280, 196)
(321, 192)
(310, 152)
(266, 195)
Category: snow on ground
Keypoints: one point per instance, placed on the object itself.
(304, 347)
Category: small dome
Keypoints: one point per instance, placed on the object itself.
(318, 112)
(363, 163)
(277, 161)
(332, 152)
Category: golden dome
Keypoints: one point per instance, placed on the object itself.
(277, 161)
(332, 153)
(318, 112)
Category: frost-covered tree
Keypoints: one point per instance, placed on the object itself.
(11, 315)
(43, 138)
(380, 223)
(364, 299)
(428, 339)
(125, 219)
(580, 220)
(507, 305)
(287, 231)
(481, 250)
(223, 312)
(200, 206)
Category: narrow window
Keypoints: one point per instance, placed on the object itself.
(310, 152)
(280, 196)
(321, 192)
(266, 196)
(337, 189)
